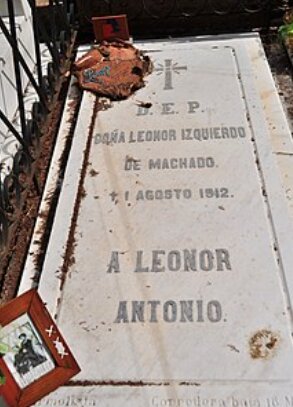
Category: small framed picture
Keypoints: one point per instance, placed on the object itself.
(34, 358)
(111, 27)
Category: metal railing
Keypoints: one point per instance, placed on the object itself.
(152, 18)
(27, 135)
(147, 18)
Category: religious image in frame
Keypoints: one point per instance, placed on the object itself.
(28, 358)
(34, 357)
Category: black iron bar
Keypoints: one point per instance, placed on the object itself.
(32, 3)
(64, 9)
(17, 72)
(52, 49)
(13, 130)
(65, 6)
(24, 65)
(52, 21)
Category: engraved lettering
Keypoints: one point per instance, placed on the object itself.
(132, 164)
(223, 259)
(142, 111)
(189, 260)
(114, 263)
(157, 262)
(181, 163)
(206, 260)
(170, 311)
(154, 305)
(174, 260)
(137, 311)
(139, 267)
(122, 315)
(213, 133)
(186, 311)
(192, 106)
(167, 108)
(214, 311)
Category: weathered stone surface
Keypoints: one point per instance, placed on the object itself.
(221, 395)
(179, 268)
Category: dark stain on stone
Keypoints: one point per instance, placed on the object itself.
(189, 384)
(263, 344)
(93, 173)
(69, 253)
(233, 348)
(146, 105)
(112, 383)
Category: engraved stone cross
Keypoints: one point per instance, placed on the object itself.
(169, 67)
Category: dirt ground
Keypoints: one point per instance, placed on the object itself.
(282, 70)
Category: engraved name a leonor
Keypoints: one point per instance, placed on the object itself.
(176, 260)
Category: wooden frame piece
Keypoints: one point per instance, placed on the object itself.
(39, 360)
(111, 27)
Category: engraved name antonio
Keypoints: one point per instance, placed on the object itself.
(172, 310)
(169, 311)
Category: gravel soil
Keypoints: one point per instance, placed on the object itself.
(13, 259)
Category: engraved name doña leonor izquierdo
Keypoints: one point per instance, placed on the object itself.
(116, 136)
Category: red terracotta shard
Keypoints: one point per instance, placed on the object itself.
(115, 69)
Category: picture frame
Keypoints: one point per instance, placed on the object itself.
(111, 27)
(37, 360)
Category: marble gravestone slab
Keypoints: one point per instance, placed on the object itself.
(178, 284)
